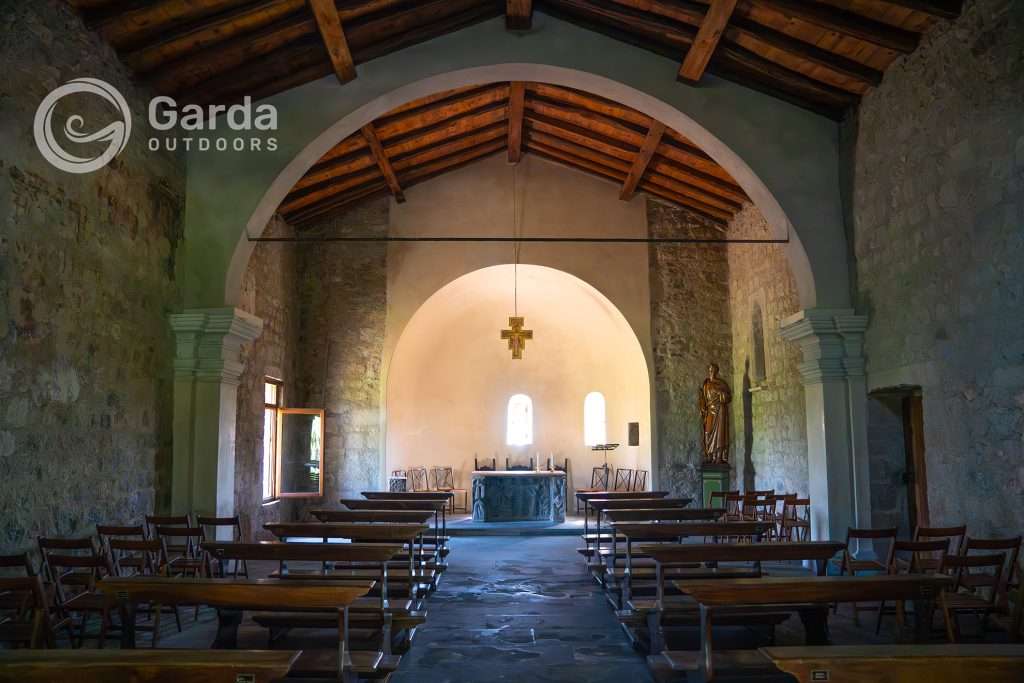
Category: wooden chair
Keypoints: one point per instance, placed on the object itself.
(517, 468)
(153, 521)
(25, 612)
(955, 534)
(598, 482)
(623, 479)
(983, 587)
(444, 480)
(1010, 580)
(484, 468)
(640, 480)
(192, 560)
(73, 566)
(796, 520)
(106, 532)
(135, 557)
(913, 557)
(718, 500)
(734, 506)
(210, 525)
(853, 565)
(418, 480)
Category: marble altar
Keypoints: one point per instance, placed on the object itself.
(518, 496)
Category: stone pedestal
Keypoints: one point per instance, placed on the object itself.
(518, 496)
(713, 477)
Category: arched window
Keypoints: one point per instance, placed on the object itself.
(519, 421)
(758, 371)
(595, 420)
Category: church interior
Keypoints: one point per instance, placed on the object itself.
(480, 340)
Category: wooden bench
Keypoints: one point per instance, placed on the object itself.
(600, 505)
(671, 514)
(410, 535)
(373, 516)
(233, 597)
(152, 666)
(585, 497)
(440, 537)
(394, 621)
(656, 613)
(952, 663)
(809, 596)
(447, 498)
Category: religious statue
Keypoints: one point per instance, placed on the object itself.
(715, 396)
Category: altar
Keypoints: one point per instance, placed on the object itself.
(518, 496)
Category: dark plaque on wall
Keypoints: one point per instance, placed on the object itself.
(634, 433)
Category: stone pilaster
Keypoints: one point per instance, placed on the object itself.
(207, 369)
(832, 372)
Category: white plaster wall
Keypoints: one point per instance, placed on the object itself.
(451, 375)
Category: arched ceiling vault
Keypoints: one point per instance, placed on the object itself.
(819, 54)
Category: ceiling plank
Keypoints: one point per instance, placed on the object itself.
(841, 21)
(643, 158)
(382, 161)
(329, 24)
(449, 147)
(710, 32)
(313, 195)
(306, 216)
(516, 106)
(518, 15)
(127, 26)
(941, 9)
(446, 130)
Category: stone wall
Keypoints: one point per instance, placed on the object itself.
(769, 419)
(343, 291)
(689, 328)
(937, 157)
(270, 291)
(87, 279)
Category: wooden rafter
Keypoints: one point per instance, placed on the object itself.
(516, 106)
(843, 22)
(711, 30)
(642, 160)
(518, 15)
(381, 157)
(329, 24)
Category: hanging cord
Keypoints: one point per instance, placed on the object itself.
(516, 234)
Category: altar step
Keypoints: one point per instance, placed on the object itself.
(465, 526)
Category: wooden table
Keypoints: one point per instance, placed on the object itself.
(151, 666)
(951, 663)
(810, 597)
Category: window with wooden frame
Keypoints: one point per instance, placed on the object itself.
(271, 408)
(300, 448)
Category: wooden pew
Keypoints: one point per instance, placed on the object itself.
(151, 666)
(669, 514)
(373, 516)
(418, 563)
(446, 497)
(440, 539)
(952, 663)
(671, 532)
(600, 505)
(809, 596)
(585, 497)
(396, 621)
(233, 597)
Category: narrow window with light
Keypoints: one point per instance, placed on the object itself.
(271, 406)
(519, 421)
(595, 419)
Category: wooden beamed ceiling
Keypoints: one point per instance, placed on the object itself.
(439, 133)
(819, 54)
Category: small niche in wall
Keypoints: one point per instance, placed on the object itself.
(758, 369)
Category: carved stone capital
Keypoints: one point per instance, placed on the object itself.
(209, 342)
(831, 341)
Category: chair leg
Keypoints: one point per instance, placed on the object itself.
(104, 625)
(949, 618)
(156, 627)
(878, 622)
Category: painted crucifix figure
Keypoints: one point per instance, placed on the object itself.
(516, 336)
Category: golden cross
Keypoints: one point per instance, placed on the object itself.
(516, 337)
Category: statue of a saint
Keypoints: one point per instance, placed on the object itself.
(715, 396)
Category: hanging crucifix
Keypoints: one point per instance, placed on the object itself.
(516, 336)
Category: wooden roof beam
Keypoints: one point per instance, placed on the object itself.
(383, 162)
(329, 24)
(642, 160)
(518, 15)
(843, 22)
(710, 32)
(516, 106)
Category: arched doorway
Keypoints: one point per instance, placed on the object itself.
(451, 377)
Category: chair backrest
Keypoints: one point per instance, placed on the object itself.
(20, 564)
(623, 479)
(418, 479)
(640, 480)
(1011, 547)
(24, 614)
(733, 503)
(484, 468)
(444, 478)
(517, 468)
(955, 535)
(153, 521)
(599, 478)
(919, 557)
(72, 565)
(210, 525)
(179, 541)
(563, 467)
(992, 579)
(886, 535)
(147, 551)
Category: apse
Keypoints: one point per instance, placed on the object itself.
(451, 367)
